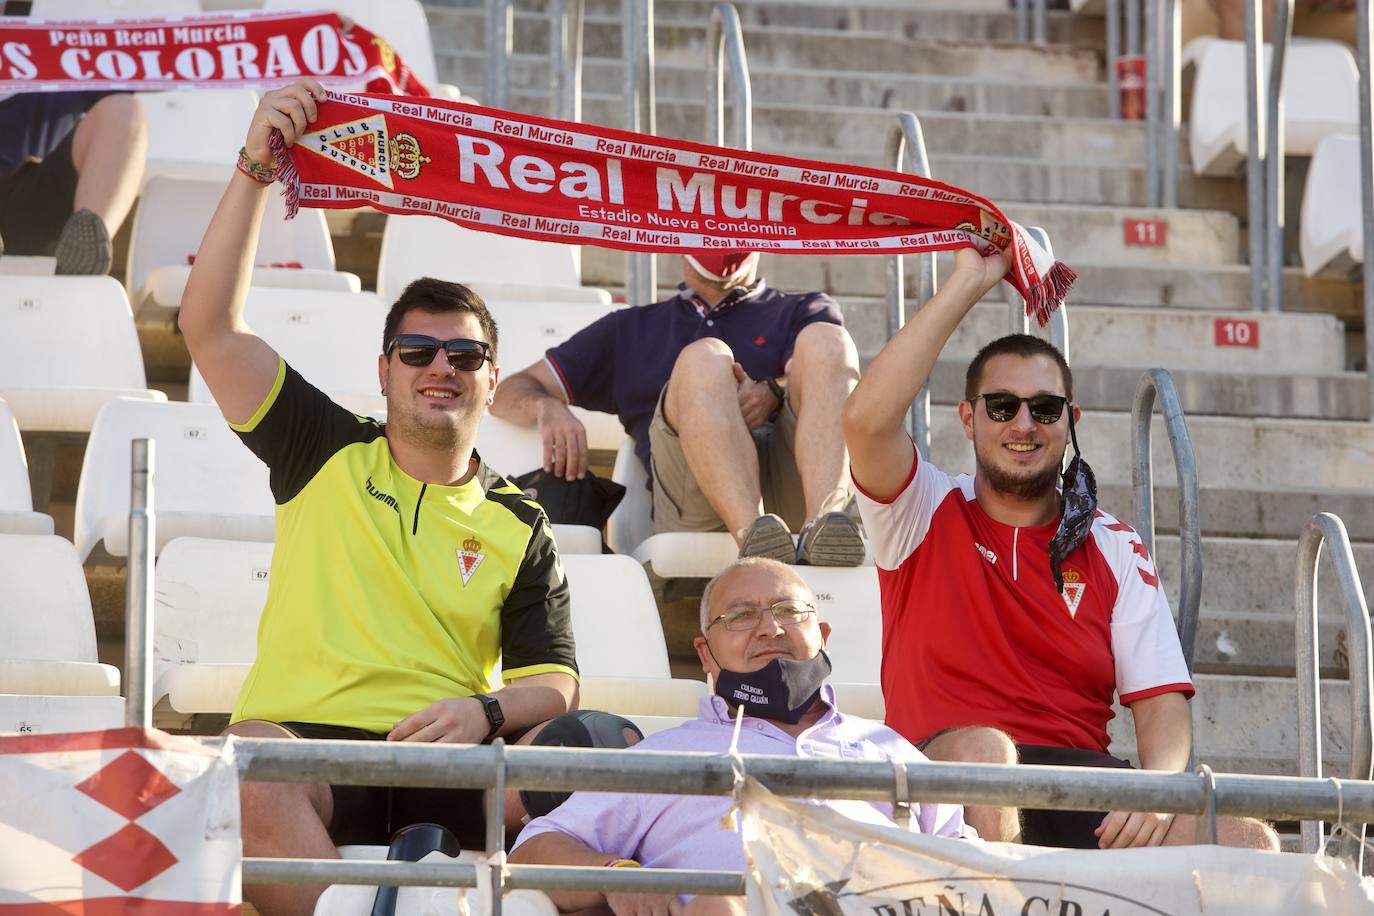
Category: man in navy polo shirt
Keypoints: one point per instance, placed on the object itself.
(732, 391)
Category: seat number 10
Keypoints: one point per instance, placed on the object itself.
(1237, 332)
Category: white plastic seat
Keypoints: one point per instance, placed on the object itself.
(27, 265)
(47, 633)
(330, 338)
(1320, 98)
(632, 523)
(170, 223)
(69, 346)
(864, 700)
(1331, 235)
(195, 134)
(847, 598)
(16, 499)
(31, 715)
(207, 483)
(427, 246)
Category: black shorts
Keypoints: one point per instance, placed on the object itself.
(369, 815)
(36, 202)
(1067, 829)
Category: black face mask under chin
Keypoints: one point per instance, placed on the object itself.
(1079, 491)
(783, 689)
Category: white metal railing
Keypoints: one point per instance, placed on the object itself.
(499, 35)
(1327, 528)
(637, 38)
(1273, 159)
(1160, 382)
(139, 592)
(566, 29)
(1031, 21)
(906, 151)
(1364, 44)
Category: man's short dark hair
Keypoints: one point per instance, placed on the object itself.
(1024, 345)
(430, 295)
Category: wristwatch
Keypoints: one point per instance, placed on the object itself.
(494, 714)
(778, 391)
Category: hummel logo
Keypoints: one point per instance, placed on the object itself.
(987, 554)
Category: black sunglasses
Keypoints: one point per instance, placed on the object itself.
(1003, 407)
(418, 350)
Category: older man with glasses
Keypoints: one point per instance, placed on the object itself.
(763, 649)
(1018, 610)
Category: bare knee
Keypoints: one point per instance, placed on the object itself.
(1247, 833)
(977, 744)
(704, 360)
(826, 344)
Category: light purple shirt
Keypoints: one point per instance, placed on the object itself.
(684, 831)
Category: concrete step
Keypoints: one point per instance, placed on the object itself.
(1250, 725)
(460, 35)
(778, 126)
(1259, 454)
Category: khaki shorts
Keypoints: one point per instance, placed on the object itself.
(679, 504)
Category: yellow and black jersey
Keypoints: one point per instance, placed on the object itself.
(387, 594)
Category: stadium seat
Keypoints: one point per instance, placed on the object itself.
(16, 499)
(847, 599)
(26, 715)
(331, 338)
(69, 346)
(27, 265)
(632, 523)
(508, 449)
(170, 223)
(1331, 235)
(1320, 94)
(864, 700)
(495, 266)
(401, 22)
(195, 134)
(207, 482)
(47, 633)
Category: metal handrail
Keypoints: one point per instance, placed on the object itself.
(637, 36)
(566, 29)
(1032, 21)
(1273, 158)
(1160, 382)
(1322, 528)
(1364, 45)
(1254, 157)
(139, 592)
(693, 773)
(500, 32)
(1113, 18)
(1171, 92)
(725, 38)
(906, 151)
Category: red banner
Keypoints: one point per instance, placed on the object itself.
(561, 181)
(253, 49)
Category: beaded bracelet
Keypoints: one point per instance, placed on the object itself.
(262, 174)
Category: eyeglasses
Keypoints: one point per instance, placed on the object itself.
(1003, 407)
(746, 616)
(418, 350)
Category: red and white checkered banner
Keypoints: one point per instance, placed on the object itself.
(562, 181)
(255, 49)
(118, 822)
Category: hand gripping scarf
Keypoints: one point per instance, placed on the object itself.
(561, 181)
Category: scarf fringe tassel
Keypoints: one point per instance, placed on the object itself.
(1048, 295)
(288, 177)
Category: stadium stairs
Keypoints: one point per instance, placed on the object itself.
(1279, 428)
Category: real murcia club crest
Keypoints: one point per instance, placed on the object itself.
(1074, 587)
(366, 147)
(469, 558)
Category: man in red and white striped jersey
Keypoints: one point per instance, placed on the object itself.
(1013, 614)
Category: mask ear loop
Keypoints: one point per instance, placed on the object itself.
(1073, 434)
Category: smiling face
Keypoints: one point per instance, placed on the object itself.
(435, 406)
(760, 585)
(1020, 458)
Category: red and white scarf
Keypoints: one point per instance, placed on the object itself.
(255, 49)
(560, 181)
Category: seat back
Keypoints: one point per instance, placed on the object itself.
(45, 608)
(210, 594)
(509, 450)
(427, 246)
(207, 482)
(193, 134)
(614, 617)
(847, 598)
(330, 338)
(632, 522)
(528, 329)
(15, 495)
(68, 332)
(1331, 235)
(173, 214)
(401, 22)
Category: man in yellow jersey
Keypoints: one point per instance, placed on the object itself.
(403, 566)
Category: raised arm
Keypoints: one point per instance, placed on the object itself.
(879, 452)
(238, 366)
(533, 397)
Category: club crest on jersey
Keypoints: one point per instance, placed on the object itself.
(366, 147)
(1074, 587)
(469, 558)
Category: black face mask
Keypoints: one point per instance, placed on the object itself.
(783, 689)
(1079, 490)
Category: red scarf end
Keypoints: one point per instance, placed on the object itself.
(1047, 295)
(289, 178)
